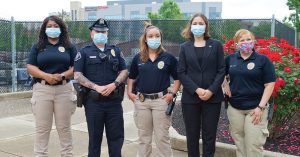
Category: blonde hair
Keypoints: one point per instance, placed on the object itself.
(240, 33)
(187, 33)
(144, 54)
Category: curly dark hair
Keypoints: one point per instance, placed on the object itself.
(63, 37)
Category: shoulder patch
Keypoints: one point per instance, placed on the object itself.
(78, 56)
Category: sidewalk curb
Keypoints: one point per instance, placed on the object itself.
(178, 142)
(15, 95)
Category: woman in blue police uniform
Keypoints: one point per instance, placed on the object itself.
(51, 62)
(252, 79)
(201, 71)
(101, 68)
(150, 71)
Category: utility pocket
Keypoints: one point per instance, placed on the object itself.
(73, 99)
(265, 132)
(262, 137)
(33, 105)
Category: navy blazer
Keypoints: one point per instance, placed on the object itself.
(208, 76)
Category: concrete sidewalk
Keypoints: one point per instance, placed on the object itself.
(17, 133)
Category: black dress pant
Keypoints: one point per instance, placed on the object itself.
(197, 117)
(110, 115)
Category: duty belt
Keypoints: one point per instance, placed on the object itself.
(44, 82)
(152, 96)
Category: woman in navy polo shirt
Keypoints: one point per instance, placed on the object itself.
(252, 79)
(151, 70)
(51, 63)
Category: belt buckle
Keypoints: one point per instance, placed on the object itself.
(154, 96)
(141, 97)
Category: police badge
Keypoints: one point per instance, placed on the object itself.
(141, 97)
(113, 53)
(61, 49)
(101, 21)
(160, 64)
(250, 66)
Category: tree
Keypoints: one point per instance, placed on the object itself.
(168, 10)
(171, 29)
(294, 17)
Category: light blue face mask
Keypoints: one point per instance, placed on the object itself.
(198, 30)
(153, 43)
(100, 38)
(53, 32)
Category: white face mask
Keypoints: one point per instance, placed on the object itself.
(154, 43)
(53, 32)
(198, 30)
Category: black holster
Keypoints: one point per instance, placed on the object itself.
(171, 107)
(81, 94)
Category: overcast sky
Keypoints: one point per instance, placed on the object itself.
(36, 10)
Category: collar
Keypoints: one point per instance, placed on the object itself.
(160, 55)
(252, 56)
(106, 46)
(57, 44)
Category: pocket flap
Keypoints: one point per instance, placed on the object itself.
(265, 132)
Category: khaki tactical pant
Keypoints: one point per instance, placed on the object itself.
(150, 116)
(249, 138)
(47, 101)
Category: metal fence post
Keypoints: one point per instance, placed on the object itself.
(273, 26)
(296, 38)
(13, 50)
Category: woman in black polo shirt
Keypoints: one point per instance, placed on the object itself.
(151, 70)
(50, 62)
(252, 79)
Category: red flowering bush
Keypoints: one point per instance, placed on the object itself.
(286, 93)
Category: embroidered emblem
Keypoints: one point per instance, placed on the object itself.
(78, 56)
(160, 64)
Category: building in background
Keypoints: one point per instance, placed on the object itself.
(138, 9)
(76, 11)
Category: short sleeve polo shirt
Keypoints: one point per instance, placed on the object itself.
(247, 79)
(154, 76)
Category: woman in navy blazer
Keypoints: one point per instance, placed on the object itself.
(201, 70)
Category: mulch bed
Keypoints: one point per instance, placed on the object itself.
(288, 144)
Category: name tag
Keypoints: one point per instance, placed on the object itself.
(92, 56)
(232, 66)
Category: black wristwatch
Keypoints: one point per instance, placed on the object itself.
(117, 83)
(63, 77)
(173, 94)
(261, 108)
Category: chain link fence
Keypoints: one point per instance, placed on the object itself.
(125, 34)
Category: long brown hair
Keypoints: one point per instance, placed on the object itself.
(63, 37)
(187, 33)
(144, 54)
